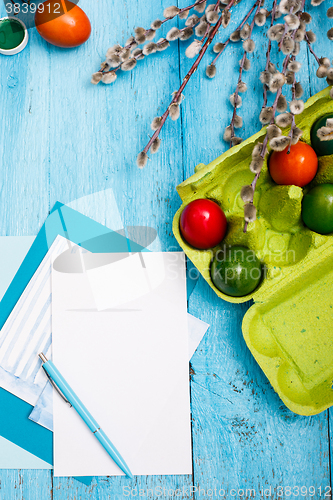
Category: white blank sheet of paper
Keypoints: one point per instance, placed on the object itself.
(129, 366)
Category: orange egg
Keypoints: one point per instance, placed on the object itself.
(62, 23)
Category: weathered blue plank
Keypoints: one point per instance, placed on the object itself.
(66, 139)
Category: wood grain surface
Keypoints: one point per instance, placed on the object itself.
(63, 138)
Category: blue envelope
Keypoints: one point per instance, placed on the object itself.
(15, 425)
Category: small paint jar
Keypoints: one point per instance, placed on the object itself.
(13, 36)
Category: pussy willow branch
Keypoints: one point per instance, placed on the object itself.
(279, 92)
(311, 49)
(187, 77)
(137, 57)
(208, 24)
(268, 53)
(149, 30)
(237, 29)
(293, 96)
(241, 67)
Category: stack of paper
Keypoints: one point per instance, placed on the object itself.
(120, 335)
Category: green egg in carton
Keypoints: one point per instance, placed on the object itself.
(289, 329)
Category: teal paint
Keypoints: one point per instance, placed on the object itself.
(11, 34)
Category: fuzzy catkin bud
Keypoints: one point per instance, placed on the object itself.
(96, 77)
(265, 77)
(150, 34)
(330, 34)
(142, 159)
(329, 12)
(294, 66)
(298, 90)
(242, 87)
(184, 14)
(281, 104)
(247, 64)
(192, 20)
(296, 49)
(236, 140)
(174, 111)
(171, 11)
(186, 34)
(150, 48)
(283, 120)
(321, 71)
(155, 146)
(256, 164)
(290, 76)
(138, 54)
(247, 193)
(277, 81)
(250, 212)
(331, 93)
(201, 29)
(279, 143)
(218, 47)
(155, 25)
(235, 36)
(315, 3)
(227, 134)
(306, 18)
(193, 49)
(235, 102)
(287, 45)
(286, 5)
(292, 21)
(299, 35)
(266, 115)
(272, 68)
(200, 7)
(325, 133)
(275, 32)
(113, 60)
(238, 121)
(297, 134)
(173, 34)
(325, 61)
(257, 150)
(245, 31)
(260, 19)
(162, 44)
(273, 131)
(109, 77)
(311, 36)
(156, 123)
(249, 45)
(226, 16)
(129, 64)
(212, 17)
(211, 70)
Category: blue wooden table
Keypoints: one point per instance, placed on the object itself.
(63, 138)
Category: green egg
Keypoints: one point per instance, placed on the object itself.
(322, 148)
(317, 209)
(236, 271)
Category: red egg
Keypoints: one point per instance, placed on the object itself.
(203, 224)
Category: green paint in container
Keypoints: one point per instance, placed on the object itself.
(13, 36)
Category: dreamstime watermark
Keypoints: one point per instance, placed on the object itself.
(26, 10)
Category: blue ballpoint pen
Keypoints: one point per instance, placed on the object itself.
(70, 397)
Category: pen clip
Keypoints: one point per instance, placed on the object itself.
(57, 389)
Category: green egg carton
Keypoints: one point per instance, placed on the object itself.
(289, 329)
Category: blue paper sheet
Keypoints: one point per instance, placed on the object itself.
(14, 423)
